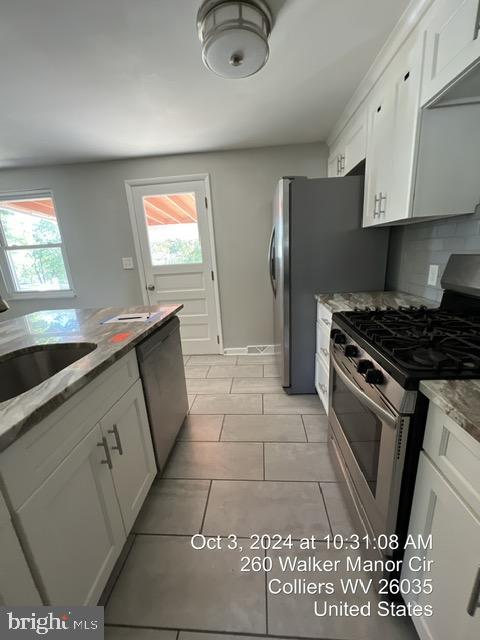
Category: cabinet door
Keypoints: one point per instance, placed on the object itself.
(379, 155)
(334, 165)
(404, 83)
(16, 582)
(452, 43)
(127, 431)
(72, 528)
(455, 571)
(355, 142)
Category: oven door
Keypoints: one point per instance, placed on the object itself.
(371, 437)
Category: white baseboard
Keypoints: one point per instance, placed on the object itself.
(251, 350)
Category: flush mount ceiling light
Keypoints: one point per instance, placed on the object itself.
(234, 36)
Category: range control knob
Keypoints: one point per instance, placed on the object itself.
(340, 338)
(351, 351)
(364, 365)
(374, 376)
(333, 333)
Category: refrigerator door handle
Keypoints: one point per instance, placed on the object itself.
(271, 261)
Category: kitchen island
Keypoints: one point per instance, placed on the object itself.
(112, 341)
(76, 452)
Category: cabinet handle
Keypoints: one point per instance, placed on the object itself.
(324, 351)
(325, 321)
(323, 388)
(339, 165)
(377, 201)
(108, 457)
(477, 24)
(118, 447)
(474, 602)
(342, 163)
(383, 196)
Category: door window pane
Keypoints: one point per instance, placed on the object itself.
(172, 229)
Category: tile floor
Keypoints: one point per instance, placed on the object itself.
(249, 459)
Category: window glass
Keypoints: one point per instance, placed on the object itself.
(172, 229)
(32, 245)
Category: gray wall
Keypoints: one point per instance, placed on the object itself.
(413, 248)
(92, 206)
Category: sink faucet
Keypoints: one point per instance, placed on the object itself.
(3, 305)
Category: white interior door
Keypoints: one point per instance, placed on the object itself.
(176, 246)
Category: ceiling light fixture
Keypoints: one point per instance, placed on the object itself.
(234, 36)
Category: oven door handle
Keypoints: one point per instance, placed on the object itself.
(382, 413)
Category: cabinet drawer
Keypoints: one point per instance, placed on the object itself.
(33, 457)
(324, 316)
(323, 343)
(322, 381)
(455, 453)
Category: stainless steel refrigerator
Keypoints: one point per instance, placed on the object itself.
(317, 246)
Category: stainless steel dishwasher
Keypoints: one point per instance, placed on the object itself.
(162, 372)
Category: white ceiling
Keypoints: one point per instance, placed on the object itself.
(99, 79)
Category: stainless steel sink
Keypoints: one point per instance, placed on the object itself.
(22, 370)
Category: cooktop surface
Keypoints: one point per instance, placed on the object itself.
(421, 343)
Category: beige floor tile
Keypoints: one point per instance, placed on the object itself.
(208, 387)
(192, 635)
(134, 633)
(201, 427)
(167, 583)
(216, 460)
(316, 427)
(283, 403)
(262, 428)
(228, 403)
(254, 359)
(256, 385)
(212, 359)
(284, 508)
(196, 371)
(299, 461)
(295, 615)
(236, 371)
(337, 509)
(270, 371)
(173, 507)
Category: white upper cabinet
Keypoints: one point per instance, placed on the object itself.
(336, 162)
(351, 147)
(452, 43)
(392, 131)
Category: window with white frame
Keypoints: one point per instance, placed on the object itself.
(32, 254)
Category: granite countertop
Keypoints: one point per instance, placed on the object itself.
(348, 301)
(112, 341)
(459, 399)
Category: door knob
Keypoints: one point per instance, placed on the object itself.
(151, 287)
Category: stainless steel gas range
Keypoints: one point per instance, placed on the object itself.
(377, 416)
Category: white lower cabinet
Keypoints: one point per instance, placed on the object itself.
(455, 571)
(72, 526)
(18, 588)
(133, 463)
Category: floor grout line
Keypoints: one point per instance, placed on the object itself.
(264, 473)
(214, 632)
(206, 505)
(326, 510)
(310, 481)
(221, 431)
(305, 429)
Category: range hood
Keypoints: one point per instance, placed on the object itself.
(448, 166)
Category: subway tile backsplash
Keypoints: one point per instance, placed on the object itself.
(414, 247)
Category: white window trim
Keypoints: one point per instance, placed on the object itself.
(5, 270)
